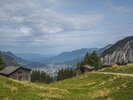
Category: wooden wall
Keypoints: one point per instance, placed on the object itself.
(21, 75)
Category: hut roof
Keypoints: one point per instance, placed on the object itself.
(109, 64)
(10, 69)
(89, 67)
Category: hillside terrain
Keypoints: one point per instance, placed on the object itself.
(121, 52)
(90, 86)
(9, 61)
(15, 59)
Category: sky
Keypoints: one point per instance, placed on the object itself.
(54, 26)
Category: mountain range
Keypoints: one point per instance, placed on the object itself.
(37, 60)
(120, 52)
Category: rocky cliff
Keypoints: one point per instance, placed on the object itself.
(121, 52)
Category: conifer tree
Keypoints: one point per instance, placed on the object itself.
(92, 60)
(2, 64)
(65, 74)
(41, 77)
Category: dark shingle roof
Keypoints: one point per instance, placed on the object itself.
(89, 67)
(10, 69)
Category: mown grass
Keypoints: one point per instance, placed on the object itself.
(90, 86)
(128, 69)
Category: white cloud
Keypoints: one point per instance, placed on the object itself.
(120, 9)
(51, 30)
(45, 19)
(43, 23)
(25, 32)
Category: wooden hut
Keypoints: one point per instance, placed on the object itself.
(84, 69)
(17, 73)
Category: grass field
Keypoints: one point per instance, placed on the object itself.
(128, 69)
(90, 86)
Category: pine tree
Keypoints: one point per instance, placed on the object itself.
(95, 60)
(2, 64)
(92, 60)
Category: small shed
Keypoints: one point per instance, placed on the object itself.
(84, 69)
(17, 73)
(109, 64)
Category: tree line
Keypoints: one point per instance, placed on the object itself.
(40, 77)
(65, 74)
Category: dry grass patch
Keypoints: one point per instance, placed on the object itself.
(100, 93)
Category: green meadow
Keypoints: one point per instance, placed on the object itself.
(89, 86)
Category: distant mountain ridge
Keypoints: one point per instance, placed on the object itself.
(12, 60)
(73, 57)
(120, 52)
(68, 56)
(33, 57)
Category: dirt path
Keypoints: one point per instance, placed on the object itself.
(111, 73)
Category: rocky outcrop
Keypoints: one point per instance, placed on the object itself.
(121, 52)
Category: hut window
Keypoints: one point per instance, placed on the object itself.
(19, 72)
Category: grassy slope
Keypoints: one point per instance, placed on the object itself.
(128, 69)
(97, 87)
(90, 86)
(14, 90)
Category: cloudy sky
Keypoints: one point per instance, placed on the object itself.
(53, 26)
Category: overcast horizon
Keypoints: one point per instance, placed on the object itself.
(55, 26)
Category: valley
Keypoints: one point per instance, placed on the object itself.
(66, 49)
